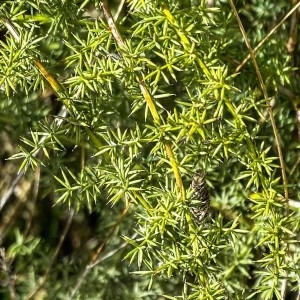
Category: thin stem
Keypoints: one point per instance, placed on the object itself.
(274, 127)
(241, 65)
(96, 258)
(14, 184)
(147, 96)
(52, 260)
(185, 42)
(270, 110)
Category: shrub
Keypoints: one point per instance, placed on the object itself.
(113, 118)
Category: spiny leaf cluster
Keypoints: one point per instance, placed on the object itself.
(134, 120)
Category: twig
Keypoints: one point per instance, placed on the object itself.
(274, 126)
(58, 121)
(61, 240)
(57, 88)
(113, 252)
(293, 39)
(4, 266)
(96, 258)
(148, 98)
(241, 65)
(119, 10)
(270, 110)
(51, 80)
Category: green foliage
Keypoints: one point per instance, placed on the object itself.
(116, 121)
